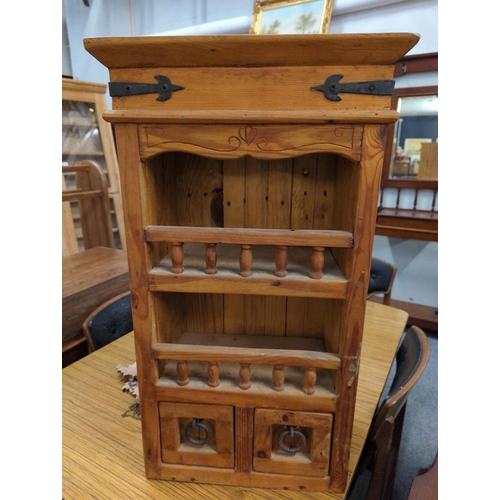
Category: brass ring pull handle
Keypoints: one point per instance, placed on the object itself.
(294, 434)
(197, 424)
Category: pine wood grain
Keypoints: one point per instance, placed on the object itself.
(251, 99)
(260, 141)
(102, 452)
(309, 50)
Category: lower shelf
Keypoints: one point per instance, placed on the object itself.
(260, 391)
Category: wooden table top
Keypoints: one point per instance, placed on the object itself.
(102, 451)
(86, 270)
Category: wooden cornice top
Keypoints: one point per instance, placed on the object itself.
(251, 50)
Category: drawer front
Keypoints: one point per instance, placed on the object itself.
(287, 442)
(197, 434)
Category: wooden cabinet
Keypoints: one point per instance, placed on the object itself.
(86, 136)
(250, 177)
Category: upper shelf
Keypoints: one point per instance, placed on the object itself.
(251, 50)
(261, 281)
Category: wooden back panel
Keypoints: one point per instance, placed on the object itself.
(290, 193)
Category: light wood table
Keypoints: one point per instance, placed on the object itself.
(89, 279)
(102, 451)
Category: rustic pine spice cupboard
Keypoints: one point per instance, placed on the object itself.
(250, 170)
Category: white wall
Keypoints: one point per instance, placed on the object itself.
(189, 17)
(417, 261)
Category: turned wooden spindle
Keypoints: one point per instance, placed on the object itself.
(213, 374)
(317, 262)
(177, 257)
(278, 377)
(309, 380)
(210, 258)
(245, 373)
(246, 260)
(281, 261)
(182, 373)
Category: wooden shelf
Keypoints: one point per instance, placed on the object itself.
(262, 281)
(286, 237)
(410, 224)
(83, 153)
(228, 392)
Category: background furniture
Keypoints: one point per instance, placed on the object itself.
(251, 192)
(90, 193)
(102, 451)
(382, 276)
(89, 278)
(425, 485)
(86, 136)
(411, 219)
(380, 453)
(108, 322)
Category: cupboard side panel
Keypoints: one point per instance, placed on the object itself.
(134, 201)
(366, 181)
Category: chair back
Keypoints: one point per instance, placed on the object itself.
(382, 276)
(411, 360)
(108, 322)
(85, 185)
(380, 454)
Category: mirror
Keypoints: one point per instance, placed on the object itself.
(412, 142)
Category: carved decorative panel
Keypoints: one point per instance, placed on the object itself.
(259, 141)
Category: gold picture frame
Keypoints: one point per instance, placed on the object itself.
(271, 17)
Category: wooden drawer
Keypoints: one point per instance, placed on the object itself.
(278, 430)
(197, 434)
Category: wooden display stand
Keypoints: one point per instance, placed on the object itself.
(250, 203)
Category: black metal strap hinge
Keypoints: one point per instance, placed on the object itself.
(164, 88)
(332, 87)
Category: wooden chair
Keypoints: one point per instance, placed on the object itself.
(382, 276)
(91, 192)
(108, 322)
(380, 454)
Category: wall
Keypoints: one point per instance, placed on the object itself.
(417, 261)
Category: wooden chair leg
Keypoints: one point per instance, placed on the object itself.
(378, 481)
(386, 458)
(396, 442)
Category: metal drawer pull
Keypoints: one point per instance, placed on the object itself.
(197, 424)
(294, 434)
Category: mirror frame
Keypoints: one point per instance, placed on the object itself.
(411, 64)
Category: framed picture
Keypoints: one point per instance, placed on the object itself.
(285, 17)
